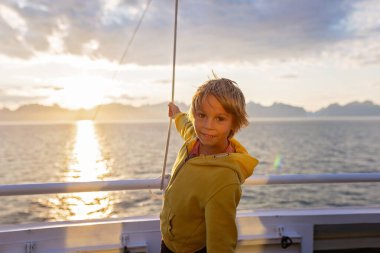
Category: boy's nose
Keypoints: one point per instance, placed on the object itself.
(209, 123)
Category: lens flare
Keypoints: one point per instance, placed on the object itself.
(277, 164)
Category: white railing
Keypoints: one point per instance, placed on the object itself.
(138, 184)
(314, 178)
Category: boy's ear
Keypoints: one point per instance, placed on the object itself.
(231, 134)
(233, 129)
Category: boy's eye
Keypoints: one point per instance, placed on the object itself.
(200, 115)
(220, 119)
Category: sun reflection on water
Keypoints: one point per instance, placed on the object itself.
(86, 164)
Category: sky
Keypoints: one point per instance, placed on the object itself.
(302, 53)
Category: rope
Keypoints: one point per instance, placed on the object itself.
(173, 81)
(125, 51)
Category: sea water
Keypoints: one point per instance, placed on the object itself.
(84, 151)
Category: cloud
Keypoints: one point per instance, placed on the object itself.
(13, 101)
(18, 99)
(208, 31)
(26, 94)
(13, 30)
(163, 81)
(364, 20)
(13, 20)
(48, 88)
(126, 98)
(289, 76)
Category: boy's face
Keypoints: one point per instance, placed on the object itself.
(212, 126)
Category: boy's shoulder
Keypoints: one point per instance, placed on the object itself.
(238, 147)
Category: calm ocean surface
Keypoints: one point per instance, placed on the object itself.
(83, 151)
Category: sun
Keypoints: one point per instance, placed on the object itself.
(82, 92)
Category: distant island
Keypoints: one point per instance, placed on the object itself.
(158, 112)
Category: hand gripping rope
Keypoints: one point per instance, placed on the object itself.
(173, 81)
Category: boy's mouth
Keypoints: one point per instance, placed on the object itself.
(208, 136)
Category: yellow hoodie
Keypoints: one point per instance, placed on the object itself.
(199, 208)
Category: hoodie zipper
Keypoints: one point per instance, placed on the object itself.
(179, 167)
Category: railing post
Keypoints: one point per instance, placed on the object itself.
(29, 247)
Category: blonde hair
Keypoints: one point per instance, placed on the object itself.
(229, 96)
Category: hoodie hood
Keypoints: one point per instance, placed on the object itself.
(246, 162)
(239, 161)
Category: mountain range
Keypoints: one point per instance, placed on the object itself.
(158, 112)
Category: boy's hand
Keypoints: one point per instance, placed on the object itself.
(173, 110)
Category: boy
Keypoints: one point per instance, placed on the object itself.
(200, 202)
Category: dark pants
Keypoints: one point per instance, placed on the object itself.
(165, 249)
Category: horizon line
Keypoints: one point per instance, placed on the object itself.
(178, 103)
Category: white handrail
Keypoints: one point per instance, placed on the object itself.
(138, 184)
(313, 178)
(69, 187)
